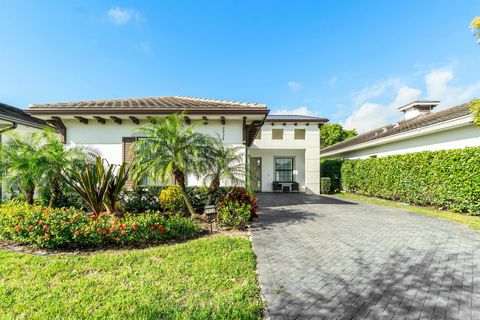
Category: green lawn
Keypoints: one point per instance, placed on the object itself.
(471, 221)
(210, 278)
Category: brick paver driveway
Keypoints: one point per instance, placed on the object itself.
(327, 258)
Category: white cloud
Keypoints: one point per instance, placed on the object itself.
(301, 111)
(332, 81)
(369, 115)
(375, 90)
(438, 88)
(119, 15)
(294, 86)
(373, 115)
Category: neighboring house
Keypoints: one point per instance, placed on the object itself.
(107, 127)
(12, 118)
(15, 120)
(421, 130)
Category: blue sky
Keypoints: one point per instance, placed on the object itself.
(351, 61)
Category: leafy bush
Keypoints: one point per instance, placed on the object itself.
(448, 179)
(198, 196)
(64, 228)
(331, 169)
(241, 195)
(141, 199)
(234, 214)
(325, 185)
(474, 106)
(171, 200)
(66, 198)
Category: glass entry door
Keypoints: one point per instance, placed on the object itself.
(256, 173)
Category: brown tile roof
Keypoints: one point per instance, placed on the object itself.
(402, 126)
(12, 114)
(151, 104)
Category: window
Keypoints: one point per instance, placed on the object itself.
(299, 134)
(277, 134)
(284, 169)
(259, 135)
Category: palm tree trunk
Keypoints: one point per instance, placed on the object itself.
(180, 179)
(54, 191)
(212, 190)
(29, 196)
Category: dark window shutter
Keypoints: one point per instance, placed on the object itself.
(128, 154)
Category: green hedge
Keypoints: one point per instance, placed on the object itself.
(325, 185)
(448, 179)
(331, 169)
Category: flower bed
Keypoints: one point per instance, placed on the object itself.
(64, 228)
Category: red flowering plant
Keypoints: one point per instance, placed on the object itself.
(239, 194)
(60, 228)
(237, 208)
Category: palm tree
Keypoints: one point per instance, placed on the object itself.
(58, 158)
(170, 149)
(23, 163)
(223, 163)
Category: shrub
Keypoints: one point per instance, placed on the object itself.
(141, 199)
(325, 185)
(66, 228)
(239, 194)
(331, 169)
(234, 214)
(198, 196)
(171, 200)
(474, 106)
(448, 179)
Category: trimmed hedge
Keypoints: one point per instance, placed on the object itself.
(331, 169)
(448, 179)
(325, 185)
(68, 228)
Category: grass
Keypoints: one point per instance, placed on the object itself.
(472, 221)
(210, 278)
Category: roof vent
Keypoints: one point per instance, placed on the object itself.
(417, 108)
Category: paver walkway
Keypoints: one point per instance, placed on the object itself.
(322, 257)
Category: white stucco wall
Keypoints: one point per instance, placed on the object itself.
(106, 139)
(21, 130)
(306, 151)
(268, 168)
(455, 138)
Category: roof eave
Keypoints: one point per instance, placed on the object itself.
(70, 111)
(441, 126)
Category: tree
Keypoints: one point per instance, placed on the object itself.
(475, 27)
(170, 148)
(332, 133)
(23, 163)
(222, 163)
(57, 158)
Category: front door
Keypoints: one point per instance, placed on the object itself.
(256, 173)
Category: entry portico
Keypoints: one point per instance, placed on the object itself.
(286, 154)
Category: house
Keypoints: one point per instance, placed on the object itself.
(421, 130)
(15, 120)
(282, 150)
